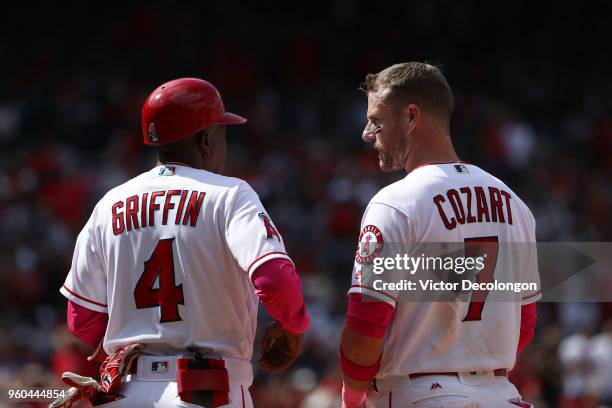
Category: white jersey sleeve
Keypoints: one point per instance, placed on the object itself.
(381, 224)
(86, 282)
(251, 236)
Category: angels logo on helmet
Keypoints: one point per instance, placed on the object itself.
(152, 134)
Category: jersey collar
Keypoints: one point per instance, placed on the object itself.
(175, 163)
(436, 163)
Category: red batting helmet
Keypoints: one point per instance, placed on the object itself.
(181, 108)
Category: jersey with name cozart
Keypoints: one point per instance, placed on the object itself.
(448, 203)
(169, 255)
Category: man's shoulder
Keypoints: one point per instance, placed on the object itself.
(162, 178)
(409, 189)
(209, 179)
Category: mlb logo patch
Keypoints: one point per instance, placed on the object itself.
(167, 171)
(159, 366)
(461, 168)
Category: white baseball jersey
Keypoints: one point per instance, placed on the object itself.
(450, 202)
(169, 256)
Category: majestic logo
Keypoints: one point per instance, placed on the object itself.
(370, 244)
(152, 133)
(270, 230)
(435, 386)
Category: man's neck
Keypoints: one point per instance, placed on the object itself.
(437, 151)
(179, 159)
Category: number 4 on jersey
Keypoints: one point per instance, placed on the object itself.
(167, 296)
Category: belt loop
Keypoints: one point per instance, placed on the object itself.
(197, 353)
(374, 384)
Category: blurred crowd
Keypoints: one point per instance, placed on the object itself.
(533, 107)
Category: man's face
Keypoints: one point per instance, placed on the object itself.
(385, 131)
(218, 148)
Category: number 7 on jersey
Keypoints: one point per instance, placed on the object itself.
(488, 247)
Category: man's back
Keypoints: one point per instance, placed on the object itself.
(171, 265)
(452, 203)
(168, 251)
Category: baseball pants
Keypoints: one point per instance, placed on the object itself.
(466, 390)
(154, 385)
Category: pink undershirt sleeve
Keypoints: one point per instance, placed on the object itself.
(528, 323)
(87, 325)
(279, 289)
(368, 318)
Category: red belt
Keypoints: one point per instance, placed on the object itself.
(498, 372)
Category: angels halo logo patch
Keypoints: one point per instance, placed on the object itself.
(370, 244)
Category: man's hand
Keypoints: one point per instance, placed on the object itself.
(80, 388)
(113, 371)
(366, 404)
(352, 398)
(279, 349)
(117, 366)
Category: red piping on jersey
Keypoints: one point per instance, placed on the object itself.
(434, 163)
(263, 256)
(374, 290)
(83, 298)
(390, 398)
(530, 296)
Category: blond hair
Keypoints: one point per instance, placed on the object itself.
(414, 82)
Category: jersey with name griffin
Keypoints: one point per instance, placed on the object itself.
(169, 255)
(450, 203)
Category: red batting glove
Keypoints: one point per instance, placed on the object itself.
(113, 371)
(80, 388)
(117, 366)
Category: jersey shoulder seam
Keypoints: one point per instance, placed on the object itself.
(393, 207)
(238, 188)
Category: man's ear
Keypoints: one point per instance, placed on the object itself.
(205, 142)
(413, 113)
